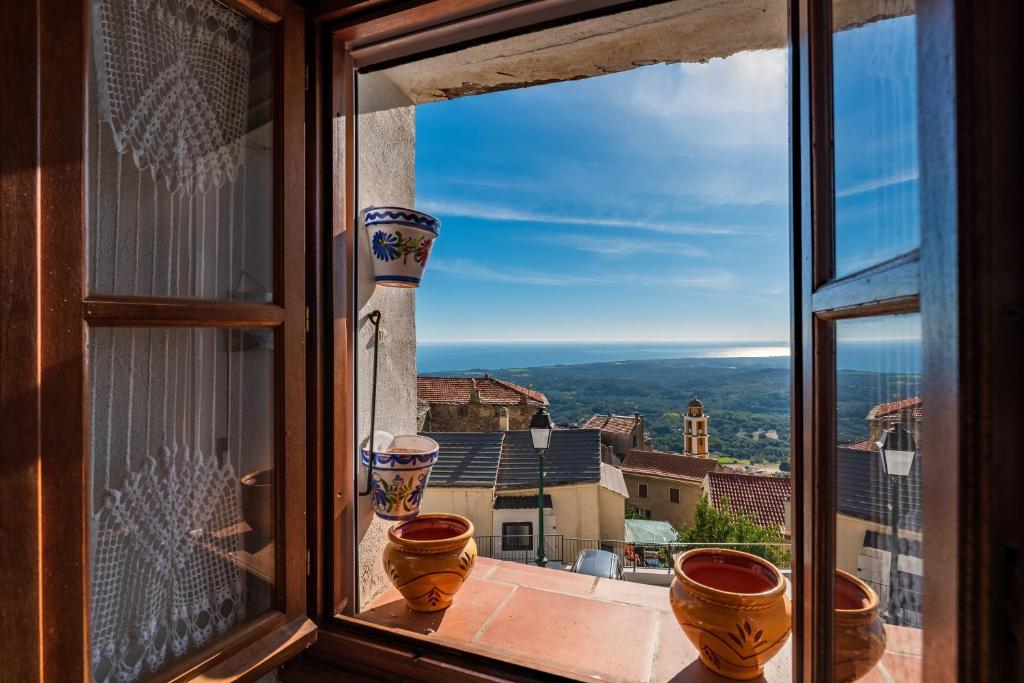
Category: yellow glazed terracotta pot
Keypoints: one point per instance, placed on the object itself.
(428, 557)
(860, 632)
(733, 608)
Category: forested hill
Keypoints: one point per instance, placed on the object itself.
(748, 399)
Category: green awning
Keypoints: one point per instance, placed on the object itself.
(650, 531)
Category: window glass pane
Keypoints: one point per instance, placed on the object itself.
(182, 507)
(632, 162)
(879, 499)
(179, 151)
(876, 150)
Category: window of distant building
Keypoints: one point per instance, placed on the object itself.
(517, 536)
(642, 491)
(673, 495)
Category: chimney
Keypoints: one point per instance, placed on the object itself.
(788, 519)
(474, 394)
(503, 419)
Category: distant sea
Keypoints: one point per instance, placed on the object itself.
(433, 357)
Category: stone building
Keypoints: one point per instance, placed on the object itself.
(622, 433)
(886, 415)
(666, 486)
(474, 404)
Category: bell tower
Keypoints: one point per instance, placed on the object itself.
(695, 430)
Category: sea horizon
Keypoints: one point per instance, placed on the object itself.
(464, 356)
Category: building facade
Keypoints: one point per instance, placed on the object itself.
(491, 478)
(665, 486)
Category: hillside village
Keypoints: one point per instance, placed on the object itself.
(607, 487)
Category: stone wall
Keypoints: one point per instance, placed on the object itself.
(476, 417)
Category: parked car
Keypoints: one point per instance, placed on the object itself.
(599, 563)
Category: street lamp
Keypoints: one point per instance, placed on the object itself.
(898, 449)
(540, 431)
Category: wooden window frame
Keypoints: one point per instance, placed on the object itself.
(968, 288)
(942, 279)
(673, 495)
(67, 312)
(966, 248)
(641, 490)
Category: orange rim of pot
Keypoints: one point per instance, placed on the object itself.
(434, 545)
(866, 590)
(724, 596)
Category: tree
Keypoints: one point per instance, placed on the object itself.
(784, 466)
(726, 526)
(633, 512)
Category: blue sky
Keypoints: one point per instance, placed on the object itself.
(645, 205)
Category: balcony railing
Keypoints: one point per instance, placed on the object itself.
(559, 548)
(520, 548)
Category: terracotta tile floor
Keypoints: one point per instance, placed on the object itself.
(589, 629)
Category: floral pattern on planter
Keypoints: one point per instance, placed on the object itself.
(400, 478)
(400, 242)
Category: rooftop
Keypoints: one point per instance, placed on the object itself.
(863, 489)
(574, 456)
(912, 405)
(508, 459)
(670, 465)
(459, 390)
(762, 497)
(591, 629)
(616, 424)
(466, 458)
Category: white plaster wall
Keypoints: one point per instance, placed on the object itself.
(522, 516)
(470, 502)
(386, 130)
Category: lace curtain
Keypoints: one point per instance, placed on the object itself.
(178, 180)
(173, 79)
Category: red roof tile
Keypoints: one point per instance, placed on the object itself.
(672, 465)
(762, 497)
(886, 409)
(617, 424)
(459, 390)
(864, 445)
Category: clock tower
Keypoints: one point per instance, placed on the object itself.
(695, 430)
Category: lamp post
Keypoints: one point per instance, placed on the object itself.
(898, 449)
(540, 431)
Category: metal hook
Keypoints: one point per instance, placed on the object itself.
(374, 319)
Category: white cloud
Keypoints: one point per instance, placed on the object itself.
(625, 246)
(471, 270)
(733, 102)
(494, 212)
(878, 183)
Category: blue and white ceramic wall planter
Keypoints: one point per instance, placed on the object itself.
(400, 242)
(400, 473)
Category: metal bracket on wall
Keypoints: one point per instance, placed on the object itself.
(374, 319)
